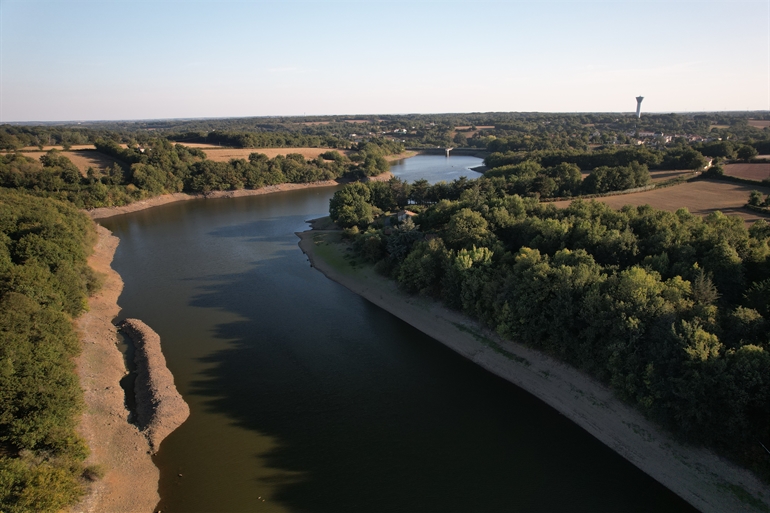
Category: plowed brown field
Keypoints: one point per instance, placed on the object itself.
(700, 197)
(756, 172)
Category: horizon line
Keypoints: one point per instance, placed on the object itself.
(353, 116)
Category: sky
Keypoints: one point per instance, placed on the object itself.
(76, 60)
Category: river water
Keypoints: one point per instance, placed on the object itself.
(305, 397)
(436, 168)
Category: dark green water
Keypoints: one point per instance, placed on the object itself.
(305, 397)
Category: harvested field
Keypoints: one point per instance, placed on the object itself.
(35, 149)
(661, 176)
(478, 127)
(759, 123)
(655, 176)
(196, 145)
(466, 130)
(84, 159)
(225, 154)
(700, 197)
(357, 121)
(314, 123)
(756, 172)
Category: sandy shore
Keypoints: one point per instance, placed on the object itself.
(130, 482)
(706, 481)
(122, 449)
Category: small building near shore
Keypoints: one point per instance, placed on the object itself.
(403, 215)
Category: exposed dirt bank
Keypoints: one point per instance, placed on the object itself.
(160, 408)
(130, 482)
(382, 177)
(706, 481)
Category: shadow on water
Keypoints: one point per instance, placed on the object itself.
(307, 396)
(127, 382)
(370, 414)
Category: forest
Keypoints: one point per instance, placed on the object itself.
(44, 284)
(668, 309)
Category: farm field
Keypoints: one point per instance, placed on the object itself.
(756, 172)
(84, 159)
(700, 197)
(759, 123)
(660, 176)
(655, 176)
(83, 156)
(35, 149)
(195, 145)
(225, 154)
(466, 130)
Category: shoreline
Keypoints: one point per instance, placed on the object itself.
(156, 201)
(703, 479)
(120, 444)
(130, 481)
(119, 447)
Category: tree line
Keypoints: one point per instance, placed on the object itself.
(44, 284)
(677, 157)
(668, 309)
(501, 132)
(160, 167)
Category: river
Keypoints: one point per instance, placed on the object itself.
(305, 397)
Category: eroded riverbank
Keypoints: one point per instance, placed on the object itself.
(121, 448)
(130, 481)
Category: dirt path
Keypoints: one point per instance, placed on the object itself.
(706, 481)
(130, 482)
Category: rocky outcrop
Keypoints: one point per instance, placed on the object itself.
(160, 409)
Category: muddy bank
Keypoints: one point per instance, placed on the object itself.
(700, 477)
(130, 482)
(160, 408)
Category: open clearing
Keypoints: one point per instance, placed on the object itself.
(759, 123)
(35, 149)
(195, 145)
(225, 154)
(478, 127)
(660, 176)
(84, 159)
(756, 172)
(700, 197)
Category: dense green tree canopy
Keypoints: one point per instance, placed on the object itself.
(44, 283)
(667, 308)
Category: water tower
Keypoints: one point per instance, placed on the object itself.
(639, 106)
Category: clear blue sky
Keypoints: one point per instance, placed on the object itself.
(124, 59)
